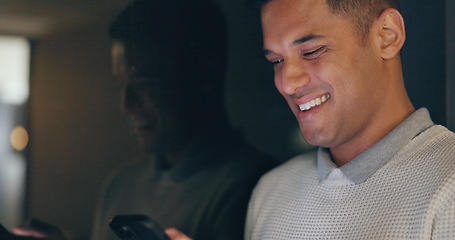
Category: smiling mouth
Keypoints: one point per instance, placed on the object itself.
(313, 103)
(142, 126)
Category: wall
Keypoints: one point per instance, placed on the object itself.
(424, 62)
(77, 132)
(450, 63)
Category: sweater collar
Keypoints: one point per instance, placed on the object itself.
(366, 164)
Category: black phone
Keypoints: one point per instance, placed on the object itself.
(137, 227)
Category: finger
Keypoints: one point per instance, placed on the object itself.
(5, 235)
(175, 234)
(28, 232)
(35, 228)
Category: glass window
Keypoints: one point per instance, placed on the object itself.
(14, 91)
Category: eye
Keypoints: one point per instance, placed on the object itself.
(273, 58)
(315, 53)
(275, 62)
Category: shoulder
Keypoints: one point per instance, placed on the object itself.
(283, 180)
(439, 132)
(294, 171)
(295, 166)
(128, 174)
(435, 143)
(430, 157)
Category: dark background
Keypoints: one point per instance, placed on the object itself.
(424, 55)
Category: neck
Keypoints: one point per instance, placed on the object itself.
(174, 157)
(344, 154)
(395, 108)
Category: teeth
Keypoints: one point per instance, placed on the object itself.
(324, 98)
(313, 103)
(305, 106)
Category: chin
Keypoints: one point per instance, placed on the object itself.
(316, 138)
(146, 145)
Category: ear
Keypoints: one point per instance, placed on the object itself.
(118, 59)
(392, 34)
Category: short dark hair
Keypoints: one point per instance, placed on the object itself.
(185, 31)
(185, 37)
(360, 12)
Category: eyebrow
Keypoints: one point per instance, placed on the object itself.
(306, 39)
(298, 41)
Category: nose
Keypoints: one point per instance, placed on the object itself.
(294, 77)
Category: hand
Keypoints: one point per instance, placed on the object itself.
(5, 235)
(38, 229)
(175, 234)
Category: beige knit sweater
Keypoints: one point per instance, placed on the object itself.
(408, 194)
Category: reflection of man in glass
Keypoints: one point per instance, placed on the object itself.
(171, 57)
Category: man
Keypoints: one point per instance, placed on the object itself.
(170, 57)
(383, 170)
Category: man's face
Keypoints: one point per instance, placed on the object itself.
(329, 80)
(154, 105)
(152, 113)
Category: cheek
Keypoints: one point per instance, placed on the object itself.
(278, 84)
(325, 70)
(288, 99)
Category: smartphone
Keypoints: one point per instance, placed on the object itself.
(137, 227)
